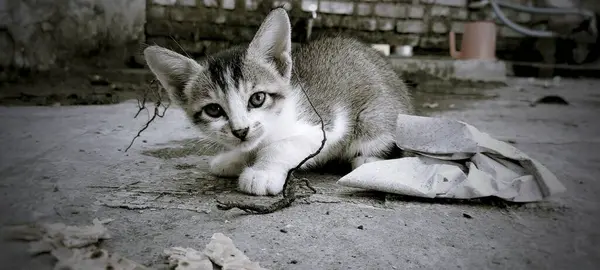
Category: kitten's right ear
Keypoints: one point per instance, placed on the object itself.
(172, 69)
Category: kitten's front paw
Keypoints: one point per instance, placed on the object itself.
(225, 166)
(261, 182)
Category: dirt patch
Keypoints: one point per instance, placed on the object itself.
(182, 148)
(82, 86)
(435, 95)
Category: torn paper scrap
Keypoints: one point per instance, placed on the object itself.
(187, 259)
(92, 259)
(455, 160)
(74, 247)
(220, 251)
(47, 236)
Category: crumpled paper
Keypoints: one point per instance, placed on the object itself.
(74, 247)
(455, 160)
(220, 251)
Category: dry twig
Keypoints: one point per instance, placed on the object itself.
(156, 113)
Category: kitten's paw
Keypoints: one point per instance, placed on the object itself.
(360, 160)
(226, 166)
(261, 182)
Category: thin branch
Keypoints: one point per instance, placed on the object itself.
(157, 112)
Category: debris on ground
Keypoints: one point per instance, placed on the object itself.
(220, 251)
(46, 237)
(431, 105)
(551, 99)
(457, 161)
(77, 248)
(74, 247)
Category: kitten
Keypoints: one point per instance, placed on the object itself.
(250, 100)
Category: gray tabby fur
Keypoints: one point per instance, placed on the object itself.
(352, 86)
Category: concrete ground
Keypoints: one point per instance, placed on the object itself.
(66, 164)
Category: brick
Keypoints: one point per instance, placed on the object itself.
(416, 12)
(436, 42)
(364, 9)
(390, 10)
(306, 5)
(440, 11)
(458, 27)
(459, 14)
(439, 28)
(365, 24)
(410, 26)
(220, 19)
(157, 12)
(251, 5)
(164, 2)
(452, 3)
(410, 40)
(335, 7)
(369, 24)
(228, 4)
(211, 3)
(178, 14)
(187, 3)
(331, 20)
(385, 24)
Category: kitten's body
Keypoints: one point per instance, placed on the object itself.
(352, 87)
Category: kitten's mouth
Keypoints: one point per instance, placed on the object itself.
(249, 143)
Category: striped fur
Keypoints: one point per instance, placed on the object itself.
(352, 87)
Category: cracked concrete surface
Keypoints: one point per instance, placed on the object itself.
(66, 164)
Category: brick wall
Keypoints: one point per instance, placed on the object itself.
(206, 26)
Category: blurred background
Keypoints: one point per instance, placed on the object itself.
(90, 43)
(523, 71)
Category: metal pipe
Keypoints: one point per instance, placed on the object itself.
(539, 10)
(518, 28)
(530, 32)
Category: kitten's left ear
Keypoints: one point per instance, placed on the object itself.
(273, 42)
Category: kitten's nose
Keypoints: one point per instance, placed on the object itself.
(240, 133)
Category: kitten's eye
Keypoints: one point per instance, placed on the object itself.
(213, 110)
(257, 99)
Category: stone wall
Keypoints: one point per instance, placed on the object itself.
(204, 26)
(42, 34)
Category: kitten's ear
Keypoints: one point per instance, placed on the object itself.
(273, 42)
(172, 69)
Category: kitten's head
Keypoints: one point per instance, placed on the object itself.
(235, 97)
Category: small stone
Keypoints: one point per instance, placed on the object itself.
(283, 231)
(465, 215)
(361, 227)
(293, 262)
(144, 141)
